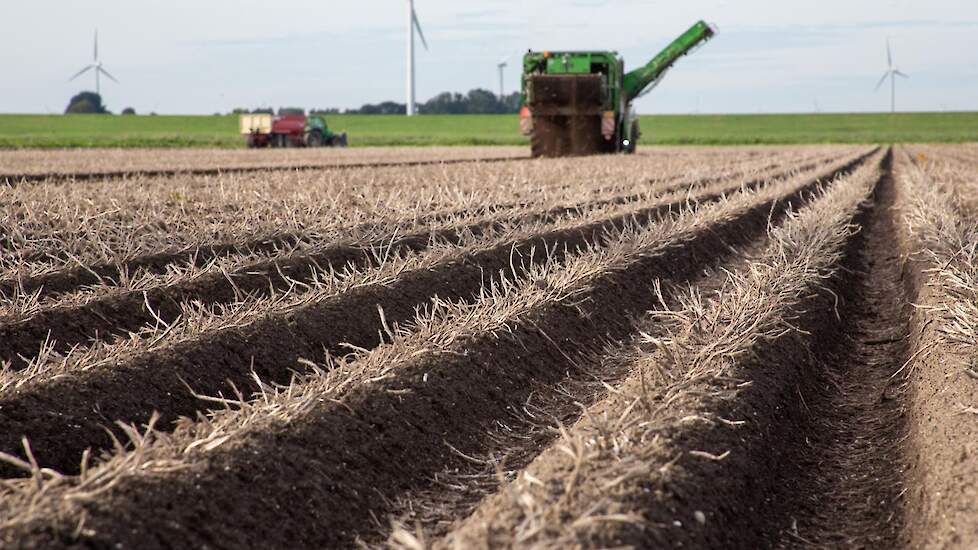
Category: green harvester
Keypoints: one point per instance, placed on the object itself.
(580, 103)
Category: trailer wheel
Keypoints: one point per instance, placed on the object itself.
(315, 139)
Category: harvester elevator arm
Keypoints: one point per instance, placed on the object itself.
(637, 81)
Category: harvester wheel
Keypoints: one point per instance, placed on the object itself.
(633, 141)
(315, 139)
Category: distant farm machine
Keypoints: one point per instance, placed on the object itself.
(265, 130)
(580, 102)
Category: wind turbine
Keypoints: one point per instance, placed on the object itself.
(502, 67)
(503, 63)
(412, 25)
(891, 73)
(97, 67)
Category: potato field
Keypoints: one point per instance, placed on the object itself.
(738, 347)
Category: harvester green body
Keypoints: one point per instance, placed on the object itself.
(580, 103)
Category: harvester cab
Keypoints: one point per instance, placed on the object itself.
(265, 130)
(580, 102)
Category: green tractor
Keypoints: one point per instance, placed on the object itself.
(580, 103)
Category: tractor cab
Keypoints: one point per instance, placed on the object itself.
(319, 134)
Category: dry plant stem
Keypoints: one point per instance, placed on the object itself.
(335, 402)
(942, 236)
(240, 211)
(117, 314)
(502, 243)
(106, 242)
(596, 486)
(575, 190)
(134, 160)
(133, 378)
(512, 443)
(155, 378)
(82, 165)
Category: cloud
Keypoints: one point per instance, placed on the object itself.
(769, 53)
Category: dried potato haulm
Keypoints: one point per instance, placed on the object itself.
(271, 332)
(939, 197)
(87, 161)
(610, 480)
(585, 352)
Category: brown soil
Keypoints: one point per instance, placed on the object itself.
(63, 328)
(943, 480)
(318, 483)
(67, 280)
(84, 403)
(514, 443)
(850, 480)
(67, 327)
(72, 279)
(823, 457)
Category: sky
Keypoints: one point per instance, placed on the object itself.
(202, 57)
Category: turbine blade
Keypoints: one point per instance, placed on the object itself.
(417, 25)
(899, 73)
(106, 73)
(882, 80)
(95, 55)
(81, 72)
(889, 54)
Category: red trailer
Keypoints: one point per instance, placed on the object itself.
(289, 131)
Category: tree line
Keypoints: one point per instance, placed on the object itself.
(475, 102)
(90, 103)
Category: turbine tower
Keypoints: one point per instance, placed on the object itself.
(503, 63)
(502, 66)
(97, 67)
(891, 73)
(412, 25)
